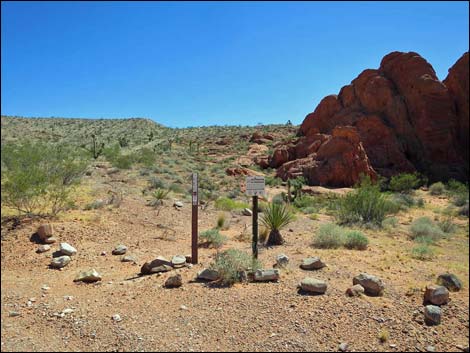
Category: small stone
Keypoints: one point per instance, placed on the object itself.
(343, 347)
(355, 291)
(116, 317)
(43, 248)
(50, 240)
(13, 313)
(178, 204)
(282, 260)
(119, 250)
(61, 261)
(432, 315)
(430, 349)
(178, 261)
(184, 307)
(312, 263)
(88, 276)
(450, 281)
(266, 275)
(208, 275)
(174, 281)
(67, 311)
(247, 212)
(45, 287)
(373, 285)
(103, 253)
(160, 264)
(67, 249)
(313, 285)
(392, 345)
(128, 258)
(437, 295)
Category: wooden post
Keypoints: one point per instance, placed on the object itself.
(255, 227)
(194, 237)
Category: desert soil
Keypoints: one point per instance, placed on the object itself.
(203, 317)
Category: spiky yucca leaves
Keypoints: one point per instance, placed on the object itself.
(158, 196)
(275, 217)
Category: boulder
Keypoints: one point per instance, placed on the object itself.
(266, 275)
(373, 285)
(88, 276)
(313, 285)
(119, 250)
(450, 281)
(61, 261)
(436, 295)
(174, 281)
(312, 263)
(67, 249)
(432, 315)
(208, 275)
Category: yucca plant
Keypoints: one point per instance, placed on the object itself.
(158, 196)
(275, 217)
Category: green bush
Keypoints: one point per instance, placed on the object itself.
(177, 188)
(37, 178)
(230, 263)
(156, 183)
(158, 196)
(111, 152)
(422, 252)
(212, 238)
(390, 223)
(329, 236)
(95, 205)
(123, 161)
(404, 182)
(437, 188)
(146, 157)
(226, 204)
(401, 202)
(424, 227)
(447, 225)
(306, 202)
(273, 181)
(366, 204)
(275, 217)
(355, 240)
(280, 198)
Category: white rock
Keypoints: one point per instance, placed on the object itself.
(67, 249)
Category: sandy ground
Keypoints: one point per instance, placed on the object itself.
(245, 317)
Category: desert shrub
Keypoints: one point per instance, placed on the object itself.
(222, 222)
(146, 157)
(447, 225)
(226, 204)
(280, 198)
(230, 263)
(463, 211)
(305, 201)
(456, 187)
(365, 204)
(158, 196)
(275, 217)
(37, 178)
(401, 202)
(329, 236)
(422, 252)
(389, 223)
(111, 152)
(273, 181)
(123, 161)
(212, 238)
(177, 188)
(95, 205)
(420, 202)
(156, 183)
(437, 188)
(383, 335)
(404, 182)
(424, 227)
(355, 240)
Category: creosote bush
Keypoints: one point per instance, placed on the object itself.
(404, 182)
(422, 252)
(425, 227)
(329, 236)
(230, 263)
(355, 240)
(37, 179)
(437, 188)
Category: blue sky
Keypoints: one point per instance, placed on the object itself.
(205, 63)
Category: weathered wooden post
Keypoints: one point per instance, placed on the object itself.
(254, 187)
(194, 224)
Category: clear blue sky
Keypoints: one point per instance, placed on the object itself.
(204, 63)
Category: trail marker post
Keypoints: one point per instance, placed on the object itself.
(195, 203)
(255, 187)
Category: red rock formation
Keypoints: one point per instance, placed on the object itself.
(406, 120)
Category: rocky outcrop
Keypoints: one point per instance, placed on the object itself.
(398, 118)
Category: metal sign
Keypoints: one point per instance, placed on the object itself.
(255, 185)
(195, 190)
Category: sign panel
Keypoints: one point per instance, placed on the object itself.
(195, 189)
(255, 186)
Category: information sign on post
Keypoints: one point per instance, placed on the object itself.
(255, 187)
(194, 240)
